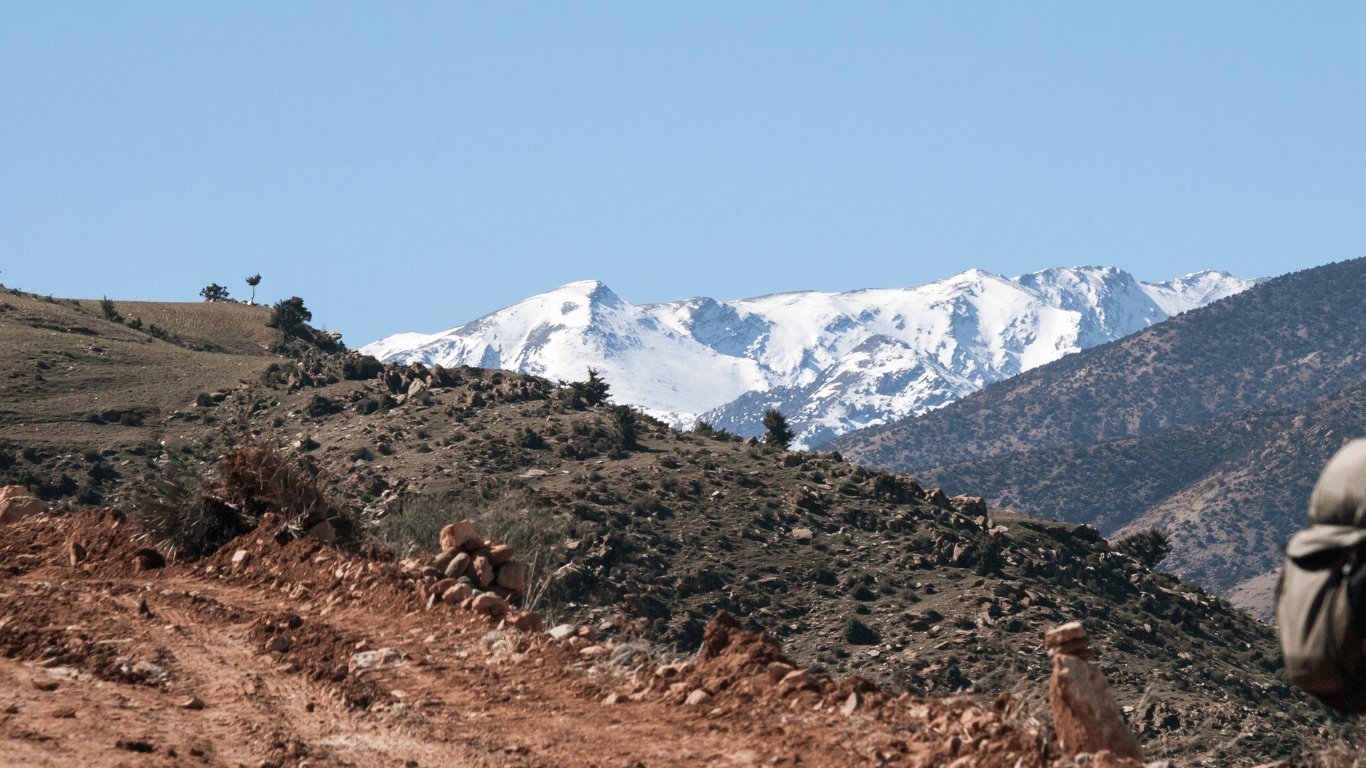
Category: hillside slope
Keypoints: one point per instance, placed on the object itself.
(1228, 493)
(1282, 343)
(857, 572)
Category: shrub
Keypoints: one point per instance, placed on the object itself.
(361, 368)
(363, 453)
(214, 292)
(581, 394)
(857, 633)
(322, 406)
(1148, 547)
(625, 419)
(235, 496)
(110, 313)
(289, 315)
(309, 444)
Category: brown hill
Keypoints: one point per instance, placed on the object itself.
(855, 572)
(1228, 493)
(1283, 343)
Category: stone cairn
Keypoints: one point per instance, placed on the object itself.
(1085, 715)
(475, 575)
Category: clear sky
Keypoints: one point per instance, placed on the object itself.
(411, 166)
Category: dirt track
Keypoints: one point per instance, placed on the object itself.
(100, 659)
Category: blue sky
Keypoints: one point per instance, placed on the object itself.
(412, 166)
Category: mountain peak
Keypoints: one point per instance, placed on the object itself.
(699, 357)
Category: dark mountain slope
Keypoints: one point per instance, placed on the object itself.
(1283, 343)
(1228, 493)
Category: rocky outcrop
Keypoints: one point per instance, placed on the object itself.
(1086, 718)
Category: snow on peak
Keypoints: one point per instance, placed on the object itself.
(832, 362)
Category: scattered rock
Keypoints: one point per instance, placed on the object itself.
(803, 535)
(562, 632)
(44, 683)
(277, 644)
(75, 553)
(194, 702)
(611, 699)
(367, 660)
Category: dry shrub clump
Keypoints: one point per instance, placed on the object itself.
(235, 495)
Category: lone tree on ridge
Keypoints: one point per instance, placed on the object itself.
(214, 292)
(254, 281)
(779, 433)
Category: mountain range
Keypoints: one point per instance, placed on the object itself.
(831, 362)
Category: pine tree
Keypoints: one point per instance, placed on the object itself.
(779, 433)
(254, 281)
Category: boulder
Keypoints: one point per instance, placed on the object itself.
(456, 594)
(803, 535)
(75, 553)
(444, 559)
(482, 572)
(16, 508)
(512, 576)
(455, 535)
(699, 698)
(460, 562)
(528, 621)
(499, 554)
(489, 605)
(13, 491)
(1085, 715)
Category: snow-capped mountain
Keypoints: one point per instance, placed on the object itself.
(831, 362)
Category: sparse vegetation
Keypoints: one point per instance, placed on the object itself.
(214, 292)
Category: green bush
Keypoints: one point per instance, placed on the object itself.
(214, 292)
(322, 406)
(857, 633)
(289, 315)
(110, 313)
(361, 368)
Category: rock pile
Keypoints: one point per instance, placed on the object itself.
(1085, 715)
(474, 574)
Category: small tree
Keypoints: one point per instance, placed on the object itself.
(586, 393)
(779, 434)
(289, 315)
(254, 281)
(626, 427)
(214, 292)
(110, 313)
(1149, 547)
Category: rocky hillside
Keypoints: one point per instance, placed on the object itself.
(1228, 493)
(644, 532)
(1283, 343)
